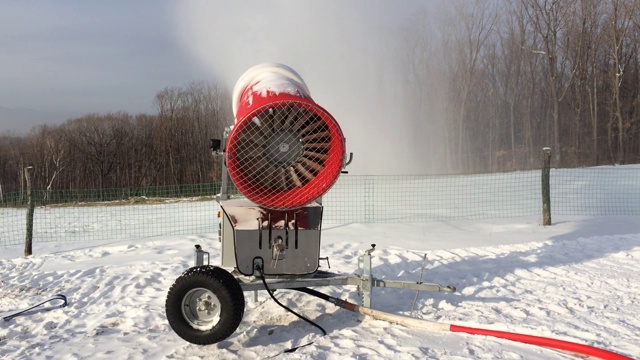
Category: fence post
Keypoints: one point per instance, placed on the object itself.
(546, 188)
(28, 242)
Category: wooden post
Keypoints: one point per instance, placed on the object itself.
(546, 188)
(28, 242)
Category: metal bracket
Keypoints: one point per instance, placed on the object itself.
(199, 256)
(349, 160)
(326, 258)
(346, 161)
(224, 194)
(365, 281)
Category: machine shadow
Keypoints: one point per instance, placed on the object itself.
(582, 244)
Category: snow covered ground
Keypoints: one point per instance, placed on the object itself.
(578, 280)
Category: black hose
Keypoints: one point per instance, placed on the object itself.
(315, 293)
(264, 282)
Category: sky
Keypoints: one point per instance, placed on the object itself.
(68, 58)
(63, 59)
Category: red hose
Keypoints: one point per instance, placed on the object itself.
(542, 341)
(438, 326)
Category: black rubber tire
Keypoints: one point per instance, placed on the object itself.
(224, 286)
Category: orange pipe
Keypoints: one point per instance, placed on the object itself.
(542, 341)
(438, 326)
(527, 339)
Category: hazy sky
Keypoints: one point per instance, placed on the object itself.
(61, 58)
(67, 58)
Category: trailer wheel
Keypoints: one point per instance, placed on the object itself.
(205, 305)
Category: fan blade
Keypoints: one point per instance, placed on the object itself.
(311, 127)
(290, 118)
(308, 153)
(301, 120)
(316, 136)
(282, 180)
(317, 145)
(312, 164)
(304, 172)
(294, 177)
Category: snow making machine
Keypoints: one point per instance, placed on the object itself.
(283, 153)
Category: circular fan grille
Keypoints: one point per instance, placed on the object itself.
(284, 155)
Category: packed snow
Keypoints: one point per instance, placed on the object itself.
(577, 280)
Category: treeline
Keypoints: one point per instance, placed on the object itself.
(491, 83)
(119, 150)
(507, 78)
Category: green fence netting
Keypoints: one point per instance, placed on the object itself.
(116, 214)
(110, 214)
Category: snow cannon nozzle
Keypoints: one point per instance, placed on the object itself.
(284, 151)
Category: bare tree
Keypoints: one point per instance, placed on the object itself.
(619, 23)
(50, 156)
(98, 141)
(477, 23)
(549, 20)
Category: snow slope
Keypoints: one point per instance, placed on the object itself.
(577, 280)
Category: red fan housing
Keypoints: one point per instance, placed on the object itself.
(284, 150)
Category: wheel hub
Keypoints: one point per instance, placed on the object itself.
(201, 308)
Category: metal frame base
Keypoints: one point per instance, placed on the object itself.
(365, 282)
